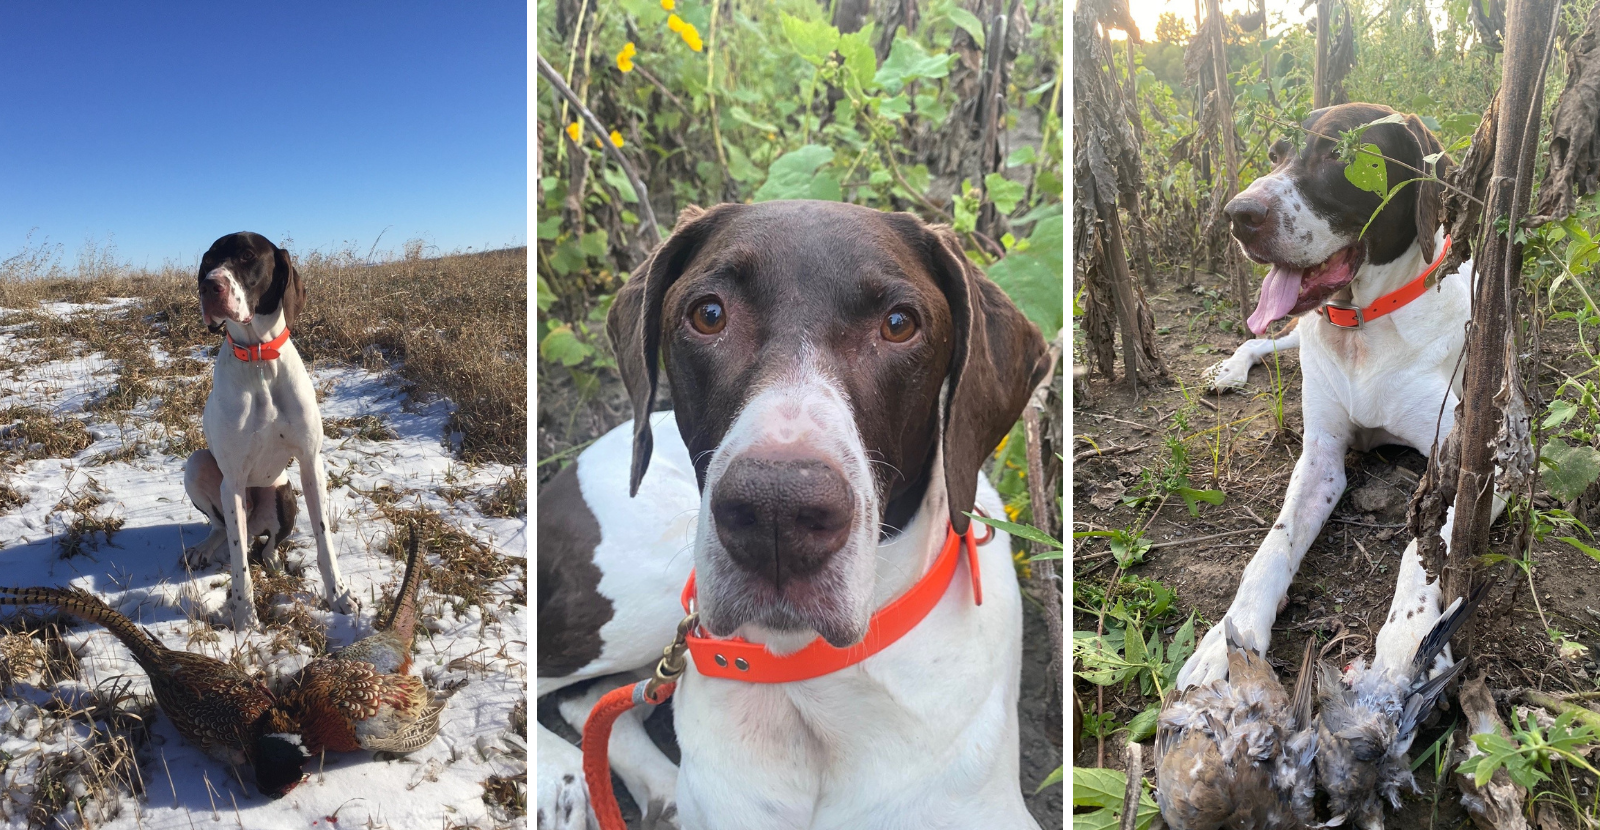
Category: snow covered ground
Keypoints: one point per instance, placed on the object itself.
(381, 471)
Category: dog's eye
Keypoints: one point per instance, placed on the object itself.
(708, 316)
(898, 326)
(248, 255)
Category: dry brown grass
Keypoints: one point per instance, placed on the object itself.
(467, 570)
(368, 427)
(34, 433)
(90, 517)
(455, 325)
(10, 497)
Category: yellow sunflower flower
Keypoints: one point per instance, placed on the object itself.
(616, 138)
(675, 23)
(575, 131)
(625, 57)
(669, 5)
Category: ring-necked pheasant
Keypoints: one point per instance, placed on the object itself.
(215, 706)
(360, 697)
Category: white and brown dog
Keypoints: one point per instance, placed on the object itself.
(839, 376)
(1380, 332)
(261, 415)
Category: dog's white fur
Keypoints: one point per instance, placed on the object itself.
(889, 743)
(260, 416)
(1395, 380)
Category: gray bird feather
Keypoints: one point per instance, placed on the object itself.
(1237, 753)
(1368, 720)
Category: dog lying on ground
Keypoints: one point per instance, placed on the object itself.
(839, 376)
(1380, 332)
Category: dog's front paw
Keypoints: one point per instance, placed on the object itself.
(1227, 375)
(660, 815)
(1209, 661)
(243, 614)
(200, 556)
(343, 602)
(563, 804)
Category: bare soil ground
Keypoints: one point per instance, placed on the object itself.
(1346, 581)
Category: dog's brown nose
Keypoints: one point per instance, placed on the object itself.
(782, 519)
(1248, 215)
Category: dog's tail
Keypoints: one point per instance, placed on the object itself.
(87, 606)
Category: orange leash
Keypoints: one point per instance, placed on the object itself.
(597, 729)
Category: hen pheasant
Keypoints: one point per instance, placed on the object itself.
(360, 697)
(1237, 752)
(215, 706)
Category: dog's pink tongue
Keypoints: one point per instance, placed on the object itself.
(1278, 294)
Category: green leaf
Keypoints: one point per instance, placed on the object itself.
(742, 116)
(1192, 498)
(542, 294)
(550, 227)
(895, 107)
(593, 244)
(1582, 548)
(1053, 778)
(1143, 724)
(907, 62)
(1024, 154)
(562, 346)
(930, 107)
(1559, 413)
(1104, 788)
(859, 59)
(969, 22)
(813, 40)
(1004, 192)
(825, 186)
(1367, 170)
(1032, 278)
(740, 166)
(1570, 469)
(619, 180)
(791, 175)
(1032, 534)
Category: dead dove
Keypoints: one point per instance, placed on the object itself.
(1237, 752)
(1369, 716)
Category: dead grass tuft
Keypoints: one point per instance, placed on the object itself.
(281, 604)
(506, 795)
(509, 499)
(89, 519)
(367, 427)
(90, 777)
(467, 570)
(35, 433)
(10, 498)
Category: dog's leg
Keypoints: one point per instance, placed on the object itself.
(1417, 605)
(1314, 488)
(563, 798)
(241, 594)
(202, 481)
(651, 777)
(1233, 372)
(314, 481)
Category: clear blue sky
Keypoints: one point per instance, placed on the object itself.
(165, 125)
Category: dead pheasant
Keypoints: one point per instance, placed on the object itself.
(215, 706)
(360, 697)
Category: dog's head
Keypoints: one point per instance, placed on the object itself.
(828, 363)
(1305, 218)
(244, 274)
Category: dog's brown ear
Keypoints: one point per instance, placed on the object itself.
(634, 325)
(1430, 195)
(286, 288)
(996, 359)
